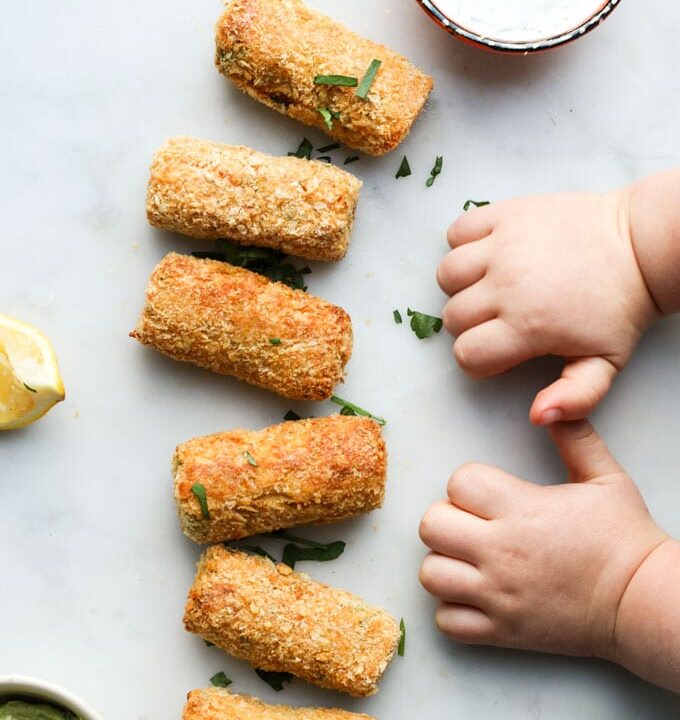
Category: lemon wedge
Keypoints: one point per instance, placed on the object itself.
(30, 383)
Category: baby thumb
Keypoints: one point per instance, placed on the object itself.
(576, 394)
(583, 451)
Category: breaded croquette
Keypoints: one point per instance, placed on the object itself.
(236, 322)
(275, 49)
(280, 620)
(219, 704)
(310, 471)
(208, 190)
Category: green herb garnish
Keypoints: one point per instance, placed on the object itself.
(324, 158)
(356, 410)
(328, 148)
(404, 169)
(424, 325)
(304, 150)
(368, 78)
(436, 170)
(250, 458)
(310, 550)
(350, 159)
(337, 80)
(402, 639)
(291, 415)
(199, 491)
(328, 116)
(220, 680)
(294, 553)
(275, 680)
(475, 203)
(30, 389)
(397, 317)
(265, 261)
(274, 341)
(208, 643)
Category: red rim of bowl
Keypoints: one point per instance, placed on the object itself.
(523, 47)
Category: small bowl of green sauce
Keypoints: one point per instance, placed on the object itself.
(24, 698)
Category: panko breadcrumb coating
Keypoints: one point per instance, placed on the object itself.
(224, 318)
(208, 190)
(219, 704)
(273, 50)
(280, 620)
(309, 471)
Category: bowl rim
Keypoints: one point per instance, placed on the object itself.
(523, 47)
(42, 689)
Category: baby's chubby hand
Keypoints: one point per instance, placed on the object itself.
(549, 274)
(546, 568)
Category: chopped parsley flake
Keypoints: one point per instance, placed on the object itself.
(424, 325)
(402, 639)
(275, 680)
(328, 148)
(30, 389)
(350, 159)
(304, 150)
(397, 317)
(404, 169)
(368, 78)
(474, 203)
(294, 553)
(199, 491)
(298, 548)
(337, 80)
(250, 458)
(291, 415)
(275, 341)
(436, 170)
(349, 408)
(328, 116)
(220, 680)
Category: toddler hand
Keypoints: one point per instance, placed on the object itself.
(545, 568)
(547, 275)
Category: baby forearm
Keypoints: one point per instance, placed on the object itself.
(654, 215)
(648, 623)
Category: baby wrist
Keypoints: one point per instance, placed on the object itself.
(654, 223)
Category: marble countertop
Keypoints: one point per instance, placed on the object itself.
(95, 569)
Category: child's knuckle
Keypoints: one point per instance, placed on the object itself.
(426, 527)
(462, 476)
(462, 354)
(427, 573)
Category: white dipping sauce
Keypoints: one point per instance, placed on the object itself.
(519, 20)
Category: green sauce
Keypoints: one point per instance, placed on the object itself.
(33, 710)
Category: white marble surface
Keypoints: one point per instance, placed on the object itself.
(95, 569)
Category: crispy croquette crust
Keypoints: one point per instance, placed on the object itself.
(219, 704)
(209, 190)
(280, 620)
(273, 50)
(223, 318)
(309, 471)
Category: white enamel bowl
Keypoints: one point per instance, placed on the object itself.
(18, 685)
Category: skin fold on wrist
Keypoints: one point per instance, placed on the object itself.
(654, 223)
(647, 635)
